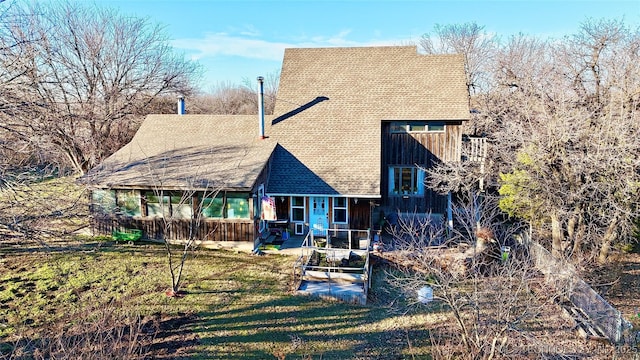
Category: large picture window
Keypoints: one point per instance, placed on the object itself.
(228, 206)
(128, 202)
(103, 201)
(212, 207)
(121, 202)
(340, 210)
(169, 204)
(158, 205)
(406, 181)
(237, 206)
(181, 206)
(298, 209)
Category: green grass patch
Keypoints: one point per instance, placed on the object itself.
(241, 306)
(235, 305)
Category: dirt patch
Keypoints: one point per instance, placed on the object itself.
(172, 337)
(619, 283)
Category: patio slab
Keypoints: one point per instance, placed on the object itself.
(353, 293)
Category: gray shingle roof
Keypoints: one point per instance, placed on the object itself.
(327, 126)
(331, 103)
(188, 151)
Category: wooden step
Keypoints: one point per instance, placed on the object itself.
(314, 275)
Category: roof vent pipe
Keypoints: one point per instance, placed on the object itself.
(181, 105)
(261, 107)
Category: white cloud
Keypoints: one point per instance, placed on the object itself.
(247, 43)
(225, 44)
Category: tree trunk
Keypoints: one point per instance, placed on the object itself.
(607, 240)
(556, 235)
(578, 235)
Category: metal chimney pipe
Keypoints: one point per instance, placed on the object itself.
(261, 107)
(181, 105)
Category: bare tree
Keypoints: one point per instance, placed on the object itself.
(491, 293)
(182, 208)
(83, 76)
(468, 39)
(232, 99)
(574, 135)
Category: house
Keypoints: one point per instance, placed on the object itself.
(352, 131)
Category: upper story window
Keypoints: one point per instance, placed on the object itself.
(416, 126)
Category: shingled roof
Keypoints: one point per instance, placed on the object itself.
(188, 152)
(325, 138)
(332, 101)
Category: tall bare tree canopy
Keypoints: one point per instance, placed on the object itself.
(469, 39)
(562, 118)
(78, 78)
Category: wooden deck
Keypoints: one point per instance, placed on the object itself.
(336, 268)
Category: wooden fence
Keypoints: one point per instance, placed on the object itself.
(179, 229)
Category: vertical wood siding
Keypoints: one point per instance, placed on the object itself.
(422, 149)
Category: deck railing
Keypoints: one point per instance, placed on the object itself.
(563, 276)
(338, 244)
(474, 149)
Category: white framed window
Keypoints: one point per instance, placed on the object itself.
(417, 126)
(298, 211)
(340, 213)
(406, 180)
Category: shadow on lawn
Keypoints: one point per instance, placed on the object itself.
(277, 329)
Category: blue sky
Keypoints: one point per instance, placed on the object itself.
(236, 40)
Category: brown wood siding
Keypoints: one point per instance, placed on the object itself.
(359, 214)
(423, 149)
(155, 228)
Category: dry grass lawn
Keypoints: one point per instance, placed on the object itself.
(77, 297)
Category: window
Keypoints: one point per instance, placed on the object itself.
(212, 207)
(225, 206)
(181, 206)
(297, 209)
(340, 210)
(416, 126)
(122, 202)
(128, 202)
(237, 206)
(169, 204)
(406, 181)
(103, 201)
(157, 205)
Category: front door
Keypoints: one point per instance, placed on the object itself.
(319, 215)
